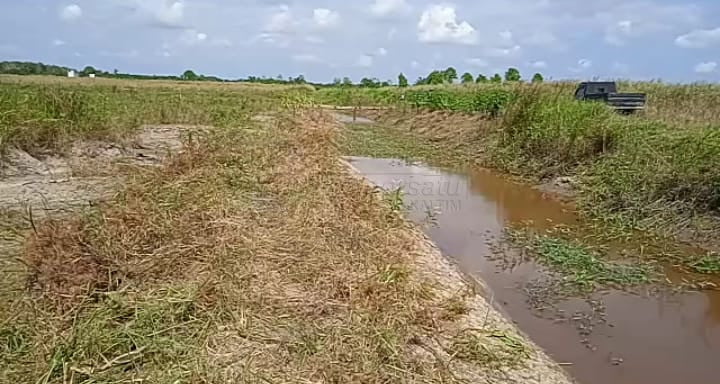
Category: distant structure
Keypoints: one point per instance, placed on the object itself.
(92, 75)
(71, 73)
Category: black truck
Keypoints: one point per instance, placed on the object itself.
(607, 92)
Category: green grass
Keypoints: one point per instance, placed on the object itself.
(581, 267)
(375, 140)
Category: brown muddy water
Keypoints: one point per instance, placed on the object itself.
(633, 338)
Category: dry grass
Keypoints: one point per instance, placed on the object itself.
(259, 262)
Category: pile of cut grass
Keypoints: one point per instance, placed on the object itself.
(237, 263)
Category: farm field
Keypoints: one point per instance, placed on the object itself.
(209, 232)
(212, 234)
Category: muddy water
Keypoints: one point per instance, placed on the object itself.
(642, 339)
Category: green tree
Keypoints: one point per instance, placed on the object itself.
(496, 78)
(450, 74)
(467, 78)
(88, 70)
(512, 74)
(346, 82)
(402, 81)
(481, 79)
(538, 78)
(436, 78)
(189, 75)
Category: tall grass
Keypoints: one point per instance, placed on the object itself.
(676, 104)
(46, 116)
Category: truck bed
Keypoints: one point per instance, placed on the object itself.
(626, 101)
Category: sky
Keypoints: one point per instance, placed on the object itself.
(671, 40)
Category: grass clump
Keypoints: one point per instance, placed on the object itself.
(579, 266)
(373, 140)
(544, 136)
(493, 348)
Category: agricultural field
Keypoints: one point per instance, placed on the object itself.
(168, 231)
(182, 232)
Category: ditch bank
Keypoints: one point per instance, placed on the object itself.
(626, 173)
(646, 329)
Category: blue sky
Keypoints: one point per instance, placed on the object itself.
(672, 40)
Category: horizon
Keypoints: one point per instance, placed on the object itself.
(636, 40)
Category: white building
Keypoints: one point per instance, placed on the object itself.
(71, 73)
(92, 75)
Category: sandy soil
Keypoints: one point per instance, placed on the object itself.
(52, 185)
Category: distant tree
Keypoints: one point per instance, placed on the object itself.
(420, 81)
(467, 78)
(496, 78)
(402, 81)
(450, 74)
(512, 74)
(337, 81)
(298, 80)
(481, 79)
(88, 70)
(189, 75)
(372, 83)
(537, 78)
(436, 77)
(346, 82)
(115, 71)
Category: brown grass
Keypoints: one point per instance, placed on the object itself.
(251, 257)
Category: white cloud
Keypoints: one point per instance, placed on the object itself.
(477, 62)
(631, 19)
(388, 7)
(707, 67)
(381, 52)
(618, 32)
(170, 14)
(58, 43)
(161, 13)
(414, 64)
(71, 12)
(281, 21)
(439, 24)
(365, 61)
(539, 64)
(193, 37)
(306, 58)
(699, 38)
(325, 18)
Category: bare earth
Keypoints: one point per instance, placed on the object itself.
(54, 185)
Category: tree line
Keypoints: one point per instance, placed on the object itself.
(436, 77)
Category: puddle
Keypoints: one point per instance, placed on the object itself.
(638, 339)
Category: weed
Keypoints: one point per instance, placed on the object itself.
(493, 349)
(581, 267)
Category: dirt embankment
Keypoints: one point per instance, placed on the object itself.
(265, 261)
